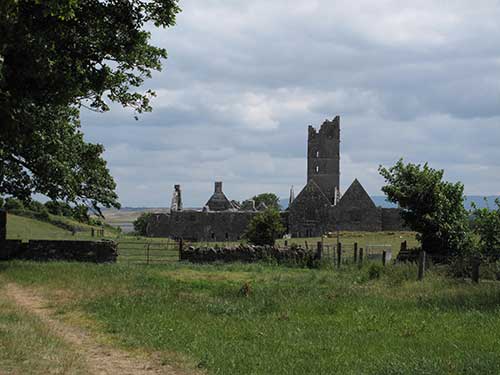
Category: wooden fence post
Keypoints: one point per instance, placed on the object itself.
(355, 252)
(319, 250)
(3, 225)
(181, 245)
(360, 256)
(421, 265)
(339, 254)
(384, 259)
(475, 269)
(147, 253)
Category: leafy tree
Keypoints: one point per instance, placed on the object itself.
(265, 227)
(13, 204)
(57, 56)
(59, 208)
(486, 224)
(430, 206)
(271, 200)
(141, 224)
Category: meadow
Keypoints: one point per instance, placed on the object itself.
(258, 318)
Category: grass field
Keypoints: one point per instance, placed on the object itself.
(263, 319)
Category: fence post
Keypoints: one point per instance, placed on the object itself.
(403, 246)
(384, 258)
(319, 250)
(339, 254)
(181, 245)
(421, 265)
(355, 252)
(286, 243)
(475, 269)
(147, 254)
(3, 225)
(360, 256)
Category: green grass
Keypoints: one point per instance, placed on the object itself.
(28, 347)
(372, 320)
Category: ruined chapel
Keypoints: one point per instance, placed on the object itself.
(318, 209)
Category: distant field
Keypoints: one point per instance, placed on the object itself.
(263, 319)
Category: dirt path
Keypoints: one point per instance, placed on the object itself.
(99, 358)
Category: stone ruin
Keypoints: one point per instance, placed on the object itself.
(318, 209)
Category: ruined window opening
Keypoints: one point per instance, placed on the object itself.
(213, 236)
(227, 236)
(317, 154)
(317, 169)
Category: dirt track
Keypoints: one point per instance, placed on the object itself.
(98, 358)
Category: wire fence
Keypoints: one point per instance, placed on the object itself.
(152, 251)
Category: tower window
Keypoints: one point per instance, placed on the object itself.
(317, 154)
(317, 169)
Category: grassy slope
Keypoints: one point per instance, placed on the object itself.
(292, 321)
(24, 228)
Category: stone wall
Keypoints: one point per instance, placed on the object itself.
(392, 220)
(44, 250)
(201, 225)
(249, 253)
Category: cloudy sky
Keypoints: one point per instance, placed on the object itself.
(419, 80)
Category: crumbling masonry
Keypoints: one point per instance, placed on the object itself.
(318, 209)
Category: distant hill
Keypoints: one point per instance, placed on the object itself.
(380, 201)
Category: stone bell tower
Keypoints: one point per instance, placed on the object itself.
(323, 157)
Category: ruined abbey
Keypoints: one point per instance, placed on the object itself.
(318, 209)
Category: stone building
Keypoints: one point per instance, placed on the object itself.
(318, 209)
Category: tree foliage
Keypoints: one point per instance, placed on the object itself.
(57, 56)
(265, 227)
(141, 224)
(271, 200)
(430, 206)
(486, 224)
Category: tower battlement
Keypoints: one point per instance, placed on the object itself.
(323, 157)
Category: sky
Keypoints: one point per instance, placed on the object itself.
(244, 79)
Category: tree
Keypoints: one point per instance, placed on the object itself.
(13, 204)
(265, 227)
(141, 224)
(1, 203)
(271, 200)
(486, 224)
(430, 206)
(59, 208)
(57, 56)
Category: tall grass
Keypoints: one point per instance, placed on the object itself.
(263, 319)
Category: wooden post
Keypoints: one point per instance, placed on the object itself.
(3, 225)
(286, 243)
(421, 265)
(361, 256)
(355, 252)
(147, 254)
(181, 244)
(384, 259)
(339, 254)
(319, 250)
(403, 246)
(305, 242)
(475, 269)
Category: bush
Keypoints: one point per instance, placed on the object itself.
(265, 228)
(13, 204)
(141, 224)
(59, 208)
(375, 270)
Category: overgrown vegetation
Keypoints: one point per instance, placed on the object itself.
(262, 319)
(265, 227)
(141, 224)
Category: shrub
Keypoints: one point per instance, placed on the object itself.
(141, 224)
(486, 224)
(59, 208)
(375, 270)
(265, 228)
(13, 204)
